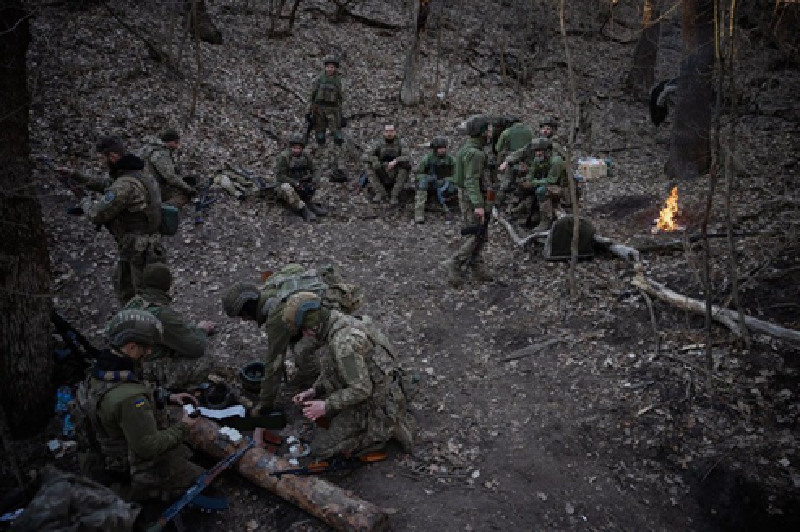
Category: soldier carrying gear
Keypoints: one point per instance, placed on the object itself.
(387, 163)
(297, 179)
(327, 101)
(434, 171)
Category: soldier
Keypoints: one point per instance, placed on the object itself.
(160, 158)
(387, 164)
(120, 411)
(469, 176)
(264, 306)
(130, 209)
(178, 359)
(327, 100)
(547, 129)
(517, 136)
(546, 180)
(434, 171)
(360, 390)
(297, 179)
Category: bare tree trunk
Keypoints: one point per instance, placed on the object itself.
(26, 364)
(201, 23)
(410, 93)
(690, 155)
(641, 77)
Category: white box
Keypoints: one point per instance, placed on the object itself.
(592, 168)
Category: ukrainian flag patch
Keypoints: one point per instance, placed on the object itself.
(139, 403)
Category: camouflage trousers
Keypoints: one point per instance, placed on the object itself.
(166, 480)
(136, 253)
(286, 193)
(329, 119)
(306, 362)
(466, 248)
(397, 178)
(178, 373)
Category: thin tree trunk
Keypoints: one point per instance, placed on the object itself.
(410, 93)
(641, 77)
(26, 364)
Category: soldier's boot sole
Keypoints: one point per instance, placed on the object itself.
(307, 215)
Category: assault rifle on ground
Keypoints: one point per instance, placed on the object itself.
(203, 201)
(337, 463)
(309, 127)
(193, 494)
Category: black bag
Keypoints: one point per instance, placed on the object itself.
(170, 220)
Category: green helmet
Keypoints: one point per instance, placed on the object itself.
(251, 374)
(302, 311)
(438, 142)
(157, 276)
(236, 296)
(331, 60)
(552, 122)
(137, 326)
(477, 126)
(297, 139)
(541, 143)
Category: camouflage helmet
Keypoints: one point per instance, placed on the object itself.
(297, 139)
(552, 122)
(438, 142)
(301, 311)
(138, 326)
(477, 126)
(541, 143)
(331, 60)
(236, 296)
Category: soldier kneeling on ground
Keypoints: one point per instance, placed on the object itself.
(297, 180)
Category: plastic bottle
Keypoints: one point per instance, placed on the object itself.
(63, 398)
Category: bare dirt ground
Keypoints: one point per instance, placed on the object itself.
(613, 428)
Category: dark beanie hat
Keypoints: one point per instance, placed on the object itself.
(169, 135)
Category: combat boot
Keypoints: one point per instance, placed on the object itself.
(317, 209)
(394, 200)
(546, 214)
(481, 273)
(307, 214)
(419, 216)
(454, 276)
(338, 176)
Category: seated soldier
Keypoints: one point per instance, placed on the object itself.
(546, 183)
(297, 180)
(177, 360)
(387, 164)
(360, 388)
(433, 172)
(133, 455)
(264, 306)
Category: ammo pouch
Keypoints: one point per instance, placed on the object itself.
(170, 220)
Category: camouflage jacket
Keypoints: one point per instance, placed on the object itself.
(472, 160)
(383, 152)
(181, 339)
(327, 91)
(293, 170)
(552, 172)
(515, 137)
(433, 165)
(161, 165)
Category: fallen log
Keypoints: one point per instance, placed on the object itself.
(728, 318)
(320, 498)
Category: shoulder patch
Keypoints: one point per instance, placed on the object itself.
(139, 403)
(110, 196)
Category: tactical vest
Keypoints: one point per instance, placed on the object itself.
(441, 167)
(328, 90)
(144, 220)
(519, 136)
(299, 167)
(389, 152)
(294, 278)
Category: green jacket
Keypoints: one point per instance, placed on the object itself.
(181, 339)
(552, 172)
(471, 163)
(327, 91)
(161, 165)
(515, 137)
(382, 153)
(433, 165)
(293, 170)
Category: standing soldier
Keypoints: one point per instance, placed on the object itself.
(130, 209)
(360, 390)
(512, 139)
(387, 164)
(469, 176)
(160, 158)
(327, 100)
(297, 179)
(434, 172)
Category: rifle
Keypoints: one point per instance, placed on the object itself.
(203, 201)
(200, 484)
(310, 127)
(481, 231)
(78, 344)
(260, 182)
(67, 181)
(337, 463)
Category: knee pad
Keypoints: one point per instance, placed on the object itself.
(338, 139)
(422, 183)
(320, 138)
(541, 193)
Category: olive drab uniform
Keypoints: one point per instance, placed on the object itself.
(512, 139)
(120, 411)
(546, 180)
(178, 360)
(433, 172)
(131, 210)
(291, 173)
(161, 165)
(293, 278)
(362, 385)
(376, 160)
(327, 100)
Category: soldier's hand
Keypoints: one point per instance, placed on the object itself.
(188, 420)
(314, 409)
(304, 396)
(208, 326)
(391, 164)
(86, 203)
(182, 399)
(258, 436)
(479, 212)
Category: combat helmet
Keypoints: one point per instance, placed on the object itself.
(331, 60)
(236, 296)
(552, 122)
(301, 311)
(477, 126)
(541, 143)
(138, 326)
(296, 140)
(251, 374)
(438, 142)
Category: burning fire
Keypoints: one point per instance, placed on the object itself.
(666, 218)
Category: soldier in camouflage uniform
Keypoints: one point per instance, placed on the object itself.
(130, 209)
(360, 389)
(265, 306)
(471, 178)
(297, 180)
(387, 163)
(160, 157)
(434, 171)
(152, 463)
(517, 136)
(178, 359)
(546, 181)
(547, 129)
(327, 102)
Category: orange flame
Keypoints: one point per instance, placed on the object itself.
(666, 218)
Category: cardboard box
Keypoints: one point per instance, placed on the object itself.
(592, 168)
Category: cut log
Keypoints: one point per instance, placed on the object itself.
(728, 318)
(326, 501)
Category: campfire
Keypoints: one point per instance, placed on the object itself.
(667, 218)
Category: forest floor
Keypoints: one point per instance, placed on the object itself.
(613, 428)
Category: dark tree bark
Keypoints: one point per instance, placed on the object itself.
(641, 77)
(202, 22)
(690, 153)
(410, 93)
(26, 361)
